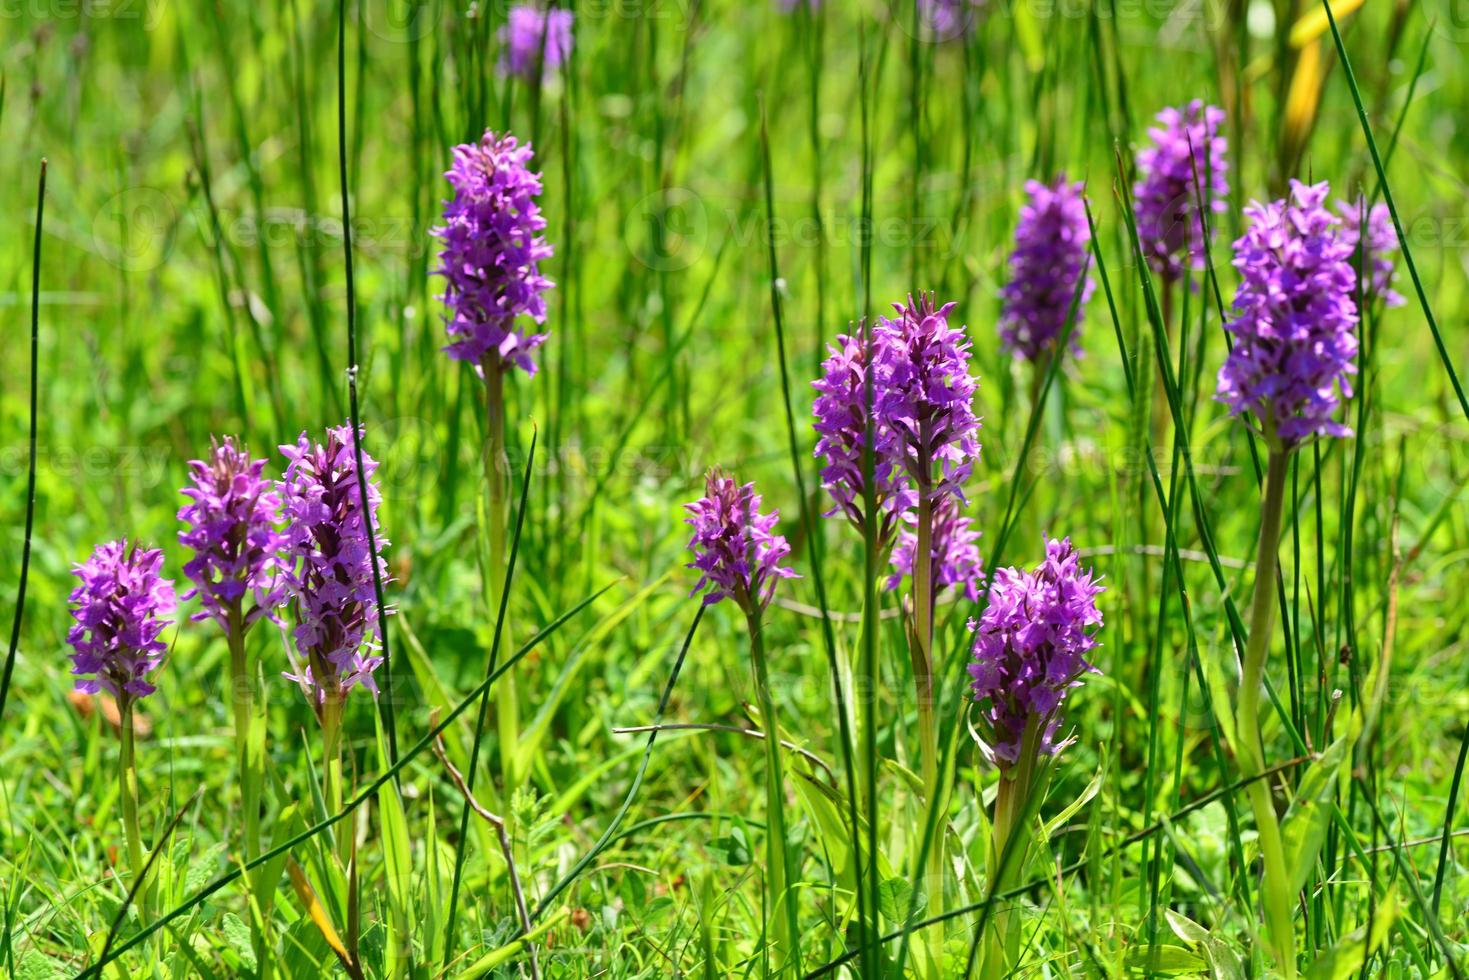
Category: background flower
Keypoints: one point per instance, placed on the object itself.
(1049, 259)
(1382, 241)
(1185, 143)
(955, 552)
(532, 37)
(492, 252)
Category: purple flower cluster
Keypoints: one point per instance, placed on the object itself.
(954, 552)
(1294, 318)
(945, 20)
(330, 570)
(924, 395)
(1382, 241)
(841, 427)
(1049, 260)
(122, 606)
(230, 526)
(1030, 648)
(1185, 144)
(492, 249)
(532, 39)
(734, 547)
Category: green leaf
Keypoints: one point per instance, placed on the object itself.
(534, 733)
(734, 847)
(1304, 829)
(1164, 959)
(893, 898)
(237, 934)
(1049, 828)
(1224, 963)
(36, 965)
(1345, 959)
(1185, 928)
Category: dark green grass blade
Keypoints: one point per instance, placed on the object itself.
(813, 536)
(1448, 822)
(385, 703)
(1438, 341)
(25, 553)
(484, 705)
(610, 833)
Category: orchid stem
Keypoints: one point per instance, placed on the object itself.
(927, 731)
(785, 918)
(497, 465)
(1251, 751)
(128, 776)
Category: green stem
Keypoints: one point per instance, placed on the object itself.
(128, 776)
(243, 701)
(1012, 800)
(249, 755)
(785, 920)
(331, 741)
(922, 655)
(1251, 749)
(497, 467)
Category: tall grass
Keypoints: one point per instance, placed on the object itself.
(728, 186)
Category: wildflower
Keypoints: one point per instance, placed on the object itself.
(955, 552)
(945, 20)
(1381, 242)
(924, 394)
(735, 551)
(121, 608)
(1187, 144)
(1030, 648)
(330, 573)
(533, 39)
(492, 249)
(231, 517)
(1294, 319)
(841, 426)
(1049, 260)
